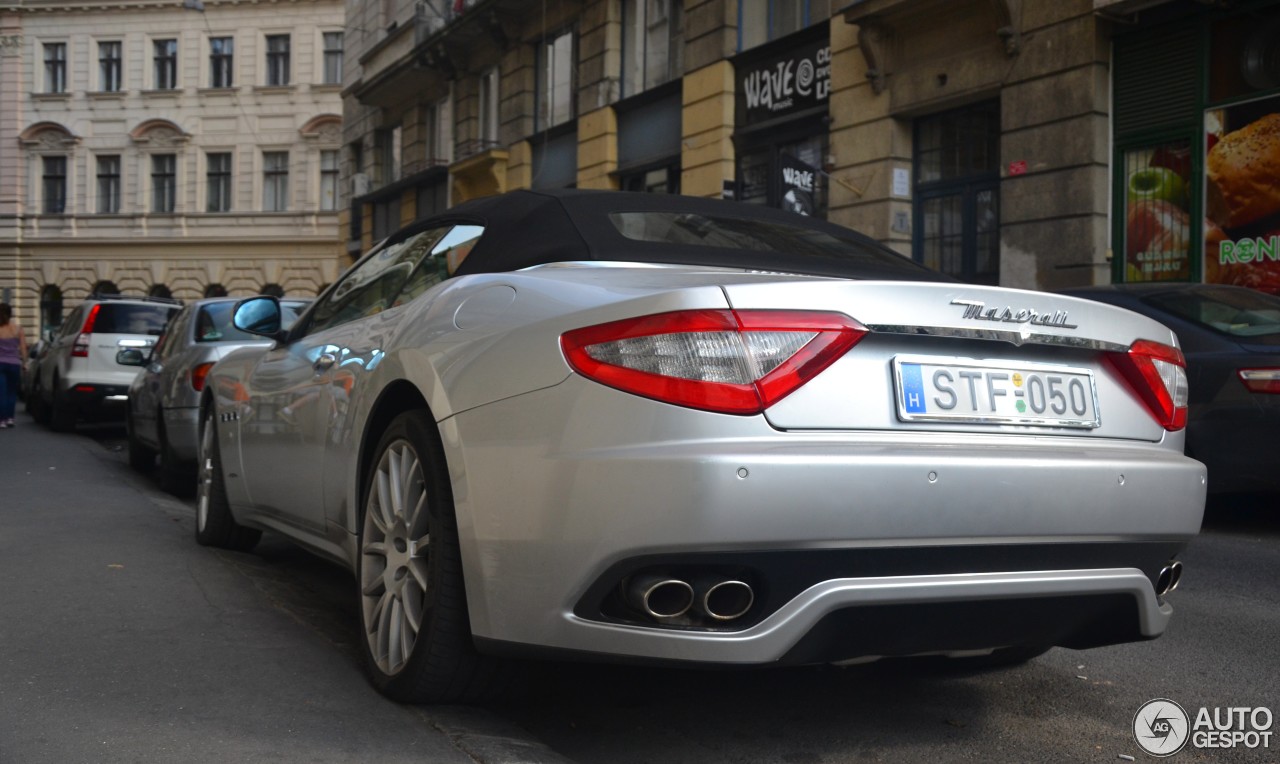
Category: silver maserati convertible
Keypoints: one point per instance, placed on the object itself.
(653, 428)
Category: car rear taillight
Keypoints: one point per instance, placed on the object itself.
(728, 361)
(80, 348)
(198, 375)
(1158, 375)
(1261, 380)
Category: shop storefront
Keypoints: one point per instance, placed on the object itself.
(1197, 148)
(781, 123)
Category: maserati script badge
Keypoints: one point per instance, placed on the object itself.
(977, 309)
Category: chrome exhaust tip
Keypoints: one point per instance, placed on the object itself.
(728, 600)
(1170, 576)
(661, 597)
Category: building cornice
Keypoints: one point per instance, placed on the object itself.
(97, 6)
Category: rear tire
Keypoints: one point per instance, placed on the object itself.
(214, 524)
(36, 406)
(176, 477)
(142, 458)
(415, 630)
(63, 416)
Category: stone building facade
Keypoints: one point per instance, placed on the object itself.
(970, 134)
(152, 148)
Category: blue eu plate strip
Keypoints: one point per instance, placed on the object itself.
(912, 389)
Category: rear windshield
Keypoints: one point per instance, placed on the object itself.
(685, 229)
(214, 322)
(114, 318)
(1241, 313)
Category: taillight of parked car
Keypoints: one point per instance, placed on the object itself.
(198, 375)
(1261, 380)
(1157, 373)
(80, 348)
(728, 361)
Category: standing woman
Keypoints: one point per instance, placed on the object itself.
(13, 353)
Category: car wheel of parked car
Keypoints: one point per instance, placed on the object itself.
(142, 457)
(63, 416)
(413, 607)
(175, 477)
(36, 406)
(214, 524)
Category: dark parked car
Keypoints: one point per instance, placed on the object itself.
(1231, 339)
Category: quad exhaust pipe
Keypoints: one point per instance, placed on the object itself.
(1169, 577)
(666, 598)
(661, 597)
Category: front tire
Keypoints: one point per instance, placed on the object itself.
(415, 629)
(214, 524)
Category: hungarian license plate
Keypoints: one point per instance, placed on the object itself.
(937, 390)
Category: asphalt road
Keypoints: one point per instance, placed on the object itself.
(124, 641)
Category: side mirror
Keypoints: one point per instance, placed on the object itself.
(259, 315)
(132, 357)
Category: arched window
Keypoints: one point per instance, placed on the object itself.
(104, 287)
(160, 290)
(50, 309)
(215, 290)
(273, 290)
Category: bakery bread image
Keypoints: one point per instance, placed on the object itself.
(1243, 170)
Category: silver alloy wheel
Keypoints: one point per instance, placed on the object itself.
(206, 474)
(394, 579)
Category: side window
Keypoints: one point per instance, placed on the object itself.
(372, 285)
(167, 342)
(73, 322)
(445, 258)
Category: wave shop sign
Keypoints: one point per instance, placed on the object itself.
(784, 84)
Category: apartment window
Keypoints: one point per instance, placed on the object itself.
(489, 108)
(164, 185)
(329, 179)
(387, 143)
(218, 182)
(555, 82)
(333, 58)
(54, 185)
(55, 67)
(440, 127)
(221, 62)
(957, 192)
(275, 181)
(109, 66)
(166, 64)
(760, 21)
(652, 43)
(277, 59)
(108, 185)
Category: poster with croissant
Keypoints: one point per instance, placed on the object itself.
(1242, 195)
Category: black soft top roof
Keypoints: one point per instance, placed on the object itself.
(527, 228)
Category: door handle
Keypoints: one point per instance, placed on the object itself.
(324, 362)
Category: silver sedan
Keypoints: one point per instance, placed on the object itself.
(586, 424)
(164, 399)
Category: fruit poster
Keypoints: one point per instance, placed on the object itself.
(1242, 195)
(1157, 241)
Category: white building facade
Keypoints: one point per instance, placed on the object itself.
(152, 148)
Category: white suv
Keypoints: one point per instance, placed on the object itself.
(79, 377)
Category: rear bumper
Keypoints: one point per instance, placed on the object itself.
(91, 399)
(551, 525)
